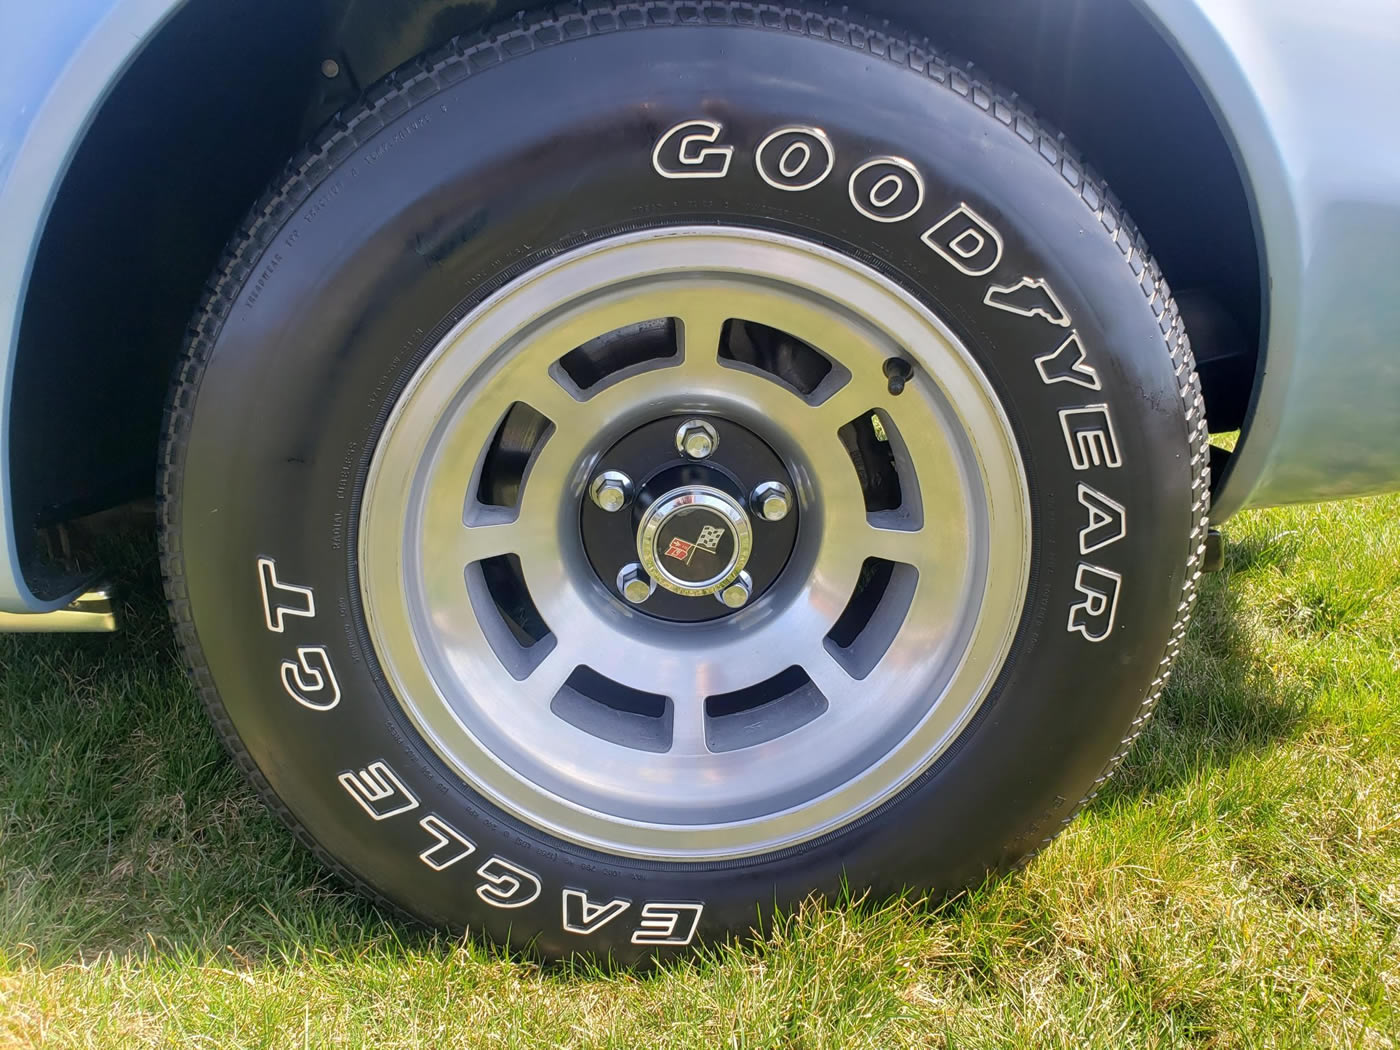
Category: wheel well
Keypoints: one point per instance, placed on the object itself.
(213, 106)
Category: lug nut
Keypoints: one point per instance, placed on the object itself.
(611, 491)
(736, 595)
(696, 439)
(636, 586)
(771, 501)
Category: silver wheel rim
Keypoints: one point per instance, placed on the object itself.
(878, 712)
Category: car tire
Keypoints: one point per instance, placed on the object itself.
(860, 274)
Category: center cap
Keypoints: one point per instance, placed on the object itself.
(694, 540)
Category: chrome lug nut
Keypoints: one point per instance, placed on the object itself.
(696, 439)
(771, 501)
(634, 584)
(736, 595)
(611, 491)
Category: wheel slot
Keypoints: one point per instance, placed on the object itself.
(873, 617)
(759, 713)
(614, 712)
(499, 480)
(882, 464)
(620, 354)
(781, 357)
(513, 626)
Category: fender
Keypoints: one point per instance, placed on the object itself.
(1323, 177)
(58, 63)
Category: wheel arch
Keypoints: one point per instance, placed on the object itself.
(194, 124)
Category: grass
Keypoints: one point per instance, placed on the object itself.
(1237, 885)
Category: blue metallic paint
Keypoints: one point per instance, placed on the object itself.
(1310, 94)
(57, 64)
(1307, 92)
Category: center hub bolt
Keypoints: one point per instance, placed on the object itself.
(696, 439)
(634, 584)
(611, 491)
(736, 595)
(771, 501)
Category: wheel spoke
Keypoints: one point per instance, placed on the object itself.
(479, 542)
(896, 545)
(826, 674)
(854, 400)
(817, 427)
(688, 725)
(574, 422)
(549, 675)
(548, 396)
(702, 318)
(527, 537)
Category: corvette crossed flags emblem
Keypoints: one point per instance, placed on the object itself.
(684, 550)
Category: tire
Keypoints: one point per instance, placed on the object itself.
(1025, 465)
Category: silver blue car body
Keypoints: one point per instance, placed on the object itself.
(1306, 92)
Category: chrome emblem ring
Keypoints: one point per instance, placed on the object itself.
(695, 540)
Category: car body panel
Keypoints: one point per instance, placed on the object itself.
(58, 62)
(1305, 91)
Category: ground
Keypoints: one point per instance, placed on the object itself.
(1237, 885)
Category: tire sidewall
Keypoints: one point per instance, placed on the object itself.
(391, 236)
